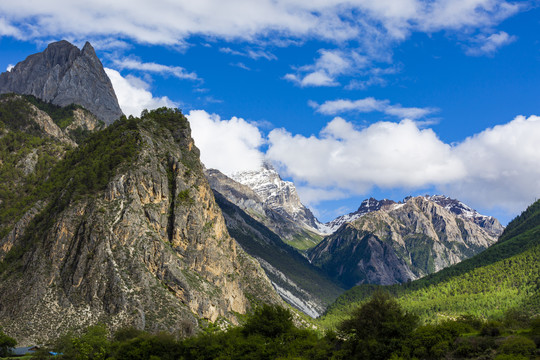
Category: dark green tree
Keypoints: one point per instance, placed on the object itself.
(377, 329)
(6, 343)
(270, 321)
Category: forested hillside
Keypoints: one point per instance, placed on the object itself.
(504, 277)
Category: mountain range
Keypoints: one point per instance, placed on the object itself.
(115, 220)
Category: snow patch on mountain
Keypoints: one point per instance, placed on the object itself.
(280, 195)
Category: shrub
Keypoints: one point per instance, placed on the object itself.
(518, 345)
(6, 343)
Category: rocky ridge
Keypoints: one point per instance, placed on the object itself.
(281, 198)
(62, 74)
(150, 249)
(367, 206)
(255, 228)
(400, 242)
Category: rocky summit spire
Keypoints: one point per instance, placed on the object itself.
(63, 74)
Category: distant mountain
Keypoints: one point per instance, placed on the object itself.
(367, 206)
(301, 284)
(488, 223)
(63, 75)
(390, 242)
(504, 277)
(303, 230)
(122, 229)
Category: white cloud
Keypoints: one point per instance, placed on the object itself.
(488, 45)
(328, 67)
(7, 29)
(228, 145)
(9, 67)
(133, 95)
(384, 154)
(365, 31)
(241, 65)
(502, 165)
(495, 169)
(176, 71)
(168, 22)
(312, 196)
(253, 54)
(370, 104)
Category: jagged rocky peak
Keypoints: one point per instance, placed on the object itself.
(145, 245)
(62, 74)
(400, 241)
(489, 223)
(279, 195)
(367, 206)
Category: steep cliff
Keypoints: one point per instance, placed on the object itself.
(284, 212)
(125, 231)
(62, 74)
(292, 232)
(400, 242)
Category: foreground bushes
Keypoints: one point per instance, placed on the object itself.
(379, 329)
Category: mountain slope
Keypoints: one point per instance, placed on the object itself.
(503, 277)
(63, 75)
(399, 242)
(125, 231)
(31, 143)
(303, 230)
(281, 223)
(297, 281)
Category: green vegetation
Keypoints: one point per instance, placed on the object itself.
(61, 115)
(304, 241)
(505, 277)
(6, 343)
(83, 171)
(378, 330)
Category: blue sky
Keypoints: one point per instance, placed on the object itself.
(349, 99)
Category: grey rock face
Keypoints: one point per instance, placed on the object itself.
(62, 74)
(279, 195)
(297, 281)
(151, 251)
(400, 241)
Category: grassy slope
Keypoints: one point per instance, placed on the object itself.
(505, 276)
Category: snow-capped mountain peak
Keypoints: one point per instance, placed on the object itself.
(279, 195)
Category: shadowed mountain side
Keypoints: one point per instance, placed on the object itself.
(296, 280)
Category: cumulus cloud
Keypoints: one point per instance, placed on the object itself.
(327, 68)
(384, 154)
(488, 45)
(370, 104)
(133, 94)
(496, 168)
(134, 64)
(228, 145)
(502, 165)
(9, 67)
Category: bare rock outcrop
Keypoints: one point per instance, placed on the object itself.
(150, 249)
(63, 75)
(401, 242)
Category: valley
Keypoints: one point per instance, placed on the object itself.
(114, 234)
